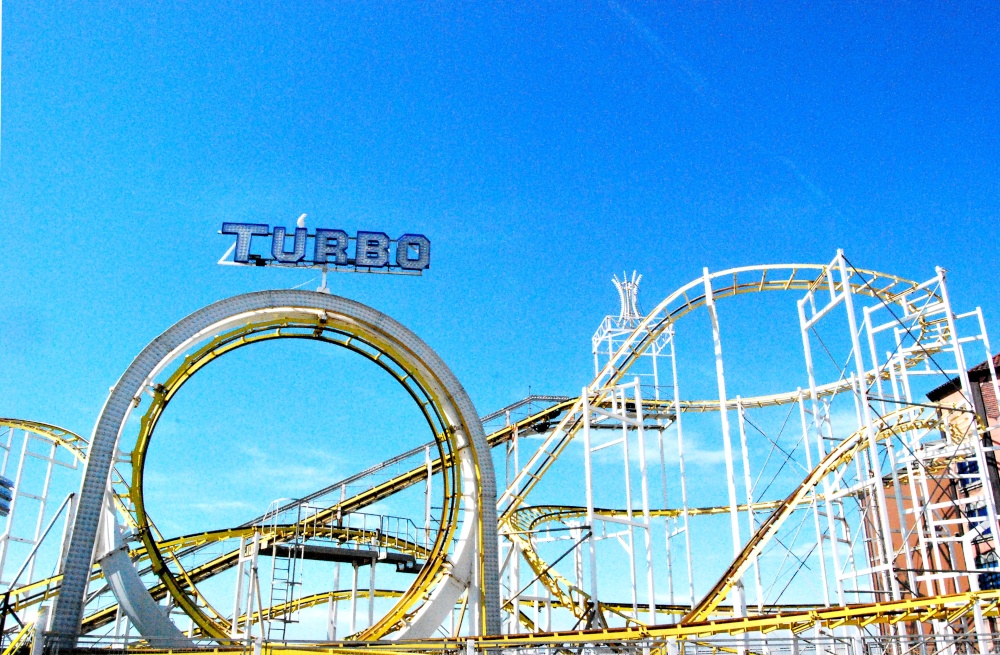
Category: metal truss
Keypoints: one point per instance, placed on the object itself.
(876, 507)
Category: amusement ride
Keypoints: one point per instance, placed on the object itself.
(852, 511)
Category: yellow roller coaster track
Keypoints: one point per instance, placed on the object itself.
(728, 283)
(893, 424)
(41, 590)
(160, 591)
(526, 519)
(182, 584)
(294, 327)
(808, 278)
(338, 596)
(948, 609)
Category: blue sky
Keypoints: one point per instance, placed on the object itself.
(541, 148)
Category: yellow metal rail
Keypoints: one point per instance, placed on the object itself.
(516, 521)
(896, 423)
(22, 638)
(949, 609)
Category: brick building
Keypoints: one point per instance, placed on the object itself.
(932, 545)
(961, 483)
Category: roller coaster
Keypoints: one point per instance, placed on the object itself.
(853, 511)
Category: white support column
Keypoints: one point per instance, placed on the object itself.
(334, 609)
(15, 494)
(666, 521)
(354, 599)
(739, 600)
(597, 363)
(253, 589)
(589, 483)
(921, 516)
(916, 503)
(874, 459)
(119, 615)
(515, 557)
(813, 505)
(41, 625)
(515, 586)
(575, 534)
(43, 502)
(821, 451)
(536, 606)
(663, 466)
(646, 516)
(744, 451)
(234, 630)
(515, 442)
(616, 407)
(683, 479)
(864, 483)
(890, 450)
(67, 532)
(371, 594)
(331, 611)
(982, 636)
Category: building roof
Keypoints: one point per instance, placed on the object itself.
(981, 370)
(977, 373)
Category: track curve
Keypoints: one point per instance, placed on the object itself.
(457, 413)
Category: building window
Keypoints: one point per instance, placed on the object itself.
(989, 580)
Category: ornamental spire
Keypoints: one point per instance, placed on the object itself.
(628, 294)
